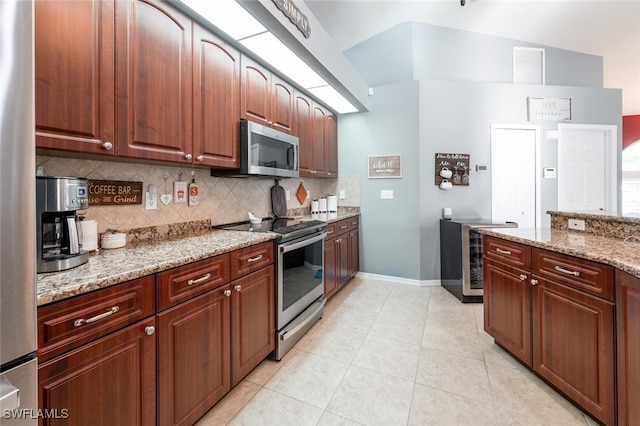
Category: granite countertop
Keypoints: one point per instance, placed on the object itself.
(110, 267)
(616, 252)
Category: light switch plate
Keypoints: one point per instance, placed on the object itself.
(386, 194)
(342, 195)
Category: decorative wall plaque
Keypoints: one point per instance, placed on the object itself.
(114, 192)
(549, 109)
(452, 168)
(384, 166)
(296, 17)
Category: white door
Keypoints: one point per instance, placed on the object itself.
(587, 168)
(514, 181)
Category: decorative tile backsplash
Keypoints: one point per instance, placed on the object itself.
(221, 200)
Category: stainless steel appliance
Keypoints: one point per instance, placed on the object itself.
(18, 364)
(461, 256)
(300, 280)
(264, 151)
(58, 244)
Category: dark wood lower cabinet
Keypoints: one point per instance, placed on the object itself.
(111, 381)
(574, 346)
(330, 267)
(193, 357)
(628, 353)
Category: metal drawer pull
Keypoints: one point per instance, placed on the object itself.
(507, 252)
(254, 259)
(82, 321)
(199, 280)
(238, 287)
(343, 226)
(534, 282)
(523, 277)
(566, 271)
(227, 293)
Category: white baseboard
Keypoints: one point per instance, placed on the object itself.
(398, 280)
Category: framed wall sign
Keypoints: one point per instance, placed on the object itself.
(528, 65)
(452, 168)
(549, 109)
(384, 166)
(114, 192)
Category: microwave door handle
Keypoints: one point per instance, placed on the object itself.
(74, 242)
(291, 156)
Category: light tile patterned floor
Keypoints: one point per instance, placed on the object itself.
(392, 354)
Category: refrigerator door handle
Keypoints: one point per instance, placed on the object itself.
(9, 395)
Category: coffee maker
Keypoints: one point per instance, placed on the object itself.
(58, 200)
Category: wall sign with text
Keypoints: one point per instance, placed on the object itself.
(114, 192)
(549, 109)
(384, 166)
(453, 169)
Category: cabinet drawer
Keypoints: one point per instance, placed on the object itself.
(68, 324)
(331, 230)
(354, 223)
(342, 226)
(508, 252)
(183, 283)
(592, 277)
(251, 259)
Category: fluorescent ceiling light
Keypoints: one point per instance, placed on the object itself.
(228, 16)
(334, 99)
(272, 50)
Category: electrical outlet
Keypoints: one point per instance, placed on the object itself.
(341, 194)
(576, 224)
(151, 201)
(287, 195)
(386, 194)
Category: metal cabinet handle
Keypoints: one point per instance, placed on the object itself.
(343, 226)
(107, 146)
(188, 157)
(200, 158)
(227, 293)
(275, 124)
(329, 232)
(534, 282)
(507, 252)
(150, 330)
(566, 271)
(254, 259)
(199, 280)
(82, 321)
(523, 277)
(238, 287)
(270, 123)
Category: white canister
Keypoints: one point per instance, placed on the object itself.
(315, 207)
(113, 240)
(89, 229)
(332, 204)
(322, 205)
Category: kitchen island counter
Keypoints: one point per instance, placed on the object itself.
(111, 267)
(616, 252)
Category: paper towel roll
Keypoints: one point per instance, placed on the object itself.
(89, 229)
(322, 205)
(332, 204)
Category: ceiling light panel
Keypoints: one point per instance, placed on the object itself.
(335, 100)
(228, 16)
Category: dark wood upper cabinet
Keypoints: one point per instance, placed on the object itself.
(154, 75)
(319, 115)
(216, 101)
(74, 76)
(303, 128)
(331, 145)
(282, 105)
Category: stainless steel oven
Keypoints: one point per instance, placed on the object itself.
(300, 293)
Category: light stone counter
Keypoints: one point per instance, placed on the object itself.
(611, 251)
(110, 267)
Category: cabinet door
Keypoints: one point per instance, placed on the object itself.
(303, 129)
(253, 328)
(255, 92)
(331, 146)
(216, 101)
(74, 76)
(153, 66)
(282, 105)
(507, 308)
(573, 346)
(193, 357)
(330, 267)
(354, 252)
(344, 274)
(319, 140)
(628, 341)
(111, 381)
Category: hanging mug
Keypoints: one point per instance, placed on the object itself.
(446, 173)
(445, 184)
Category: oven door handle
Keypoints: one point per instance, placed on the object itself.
(310, 317)
(286, 247)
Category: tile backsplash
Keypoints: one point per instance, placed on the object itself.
(221, 200)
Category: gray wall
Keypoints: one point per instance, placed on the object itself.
(439, 90)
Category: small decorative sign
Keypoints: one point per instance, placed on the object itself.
(114, 192)
(385, 166)
(296, 17)
(549, 109)
(453, 168)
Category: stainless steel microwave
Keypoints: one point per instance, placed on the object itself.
(264, 151)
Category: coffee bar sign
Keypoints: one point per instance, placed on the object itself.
(292, 12)
(114, 192)
(549, 109)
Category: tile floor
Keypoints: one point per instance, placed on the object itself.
(392, 354)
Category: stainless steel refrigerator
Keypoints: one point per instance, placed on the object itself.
(18, 364)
